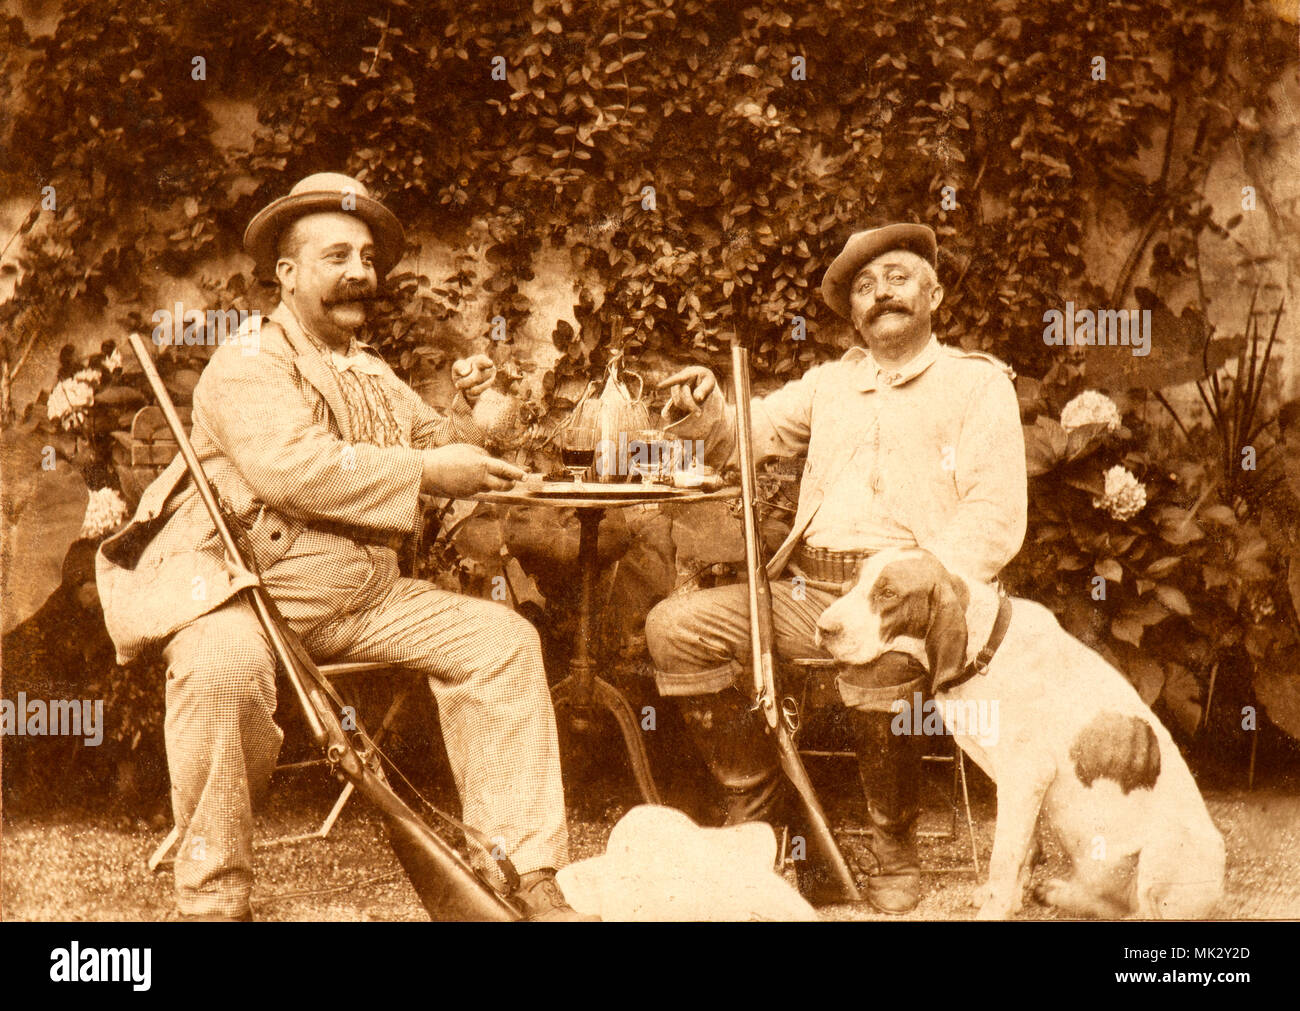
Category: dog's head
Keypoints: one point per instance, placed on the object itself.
(900, 592)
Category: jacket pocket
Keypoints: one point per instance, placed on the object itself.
(271, 536)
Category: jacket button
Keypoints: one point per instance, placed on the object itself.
(275, 535)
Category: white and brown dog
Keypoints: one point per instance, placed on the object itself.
(1073, 739)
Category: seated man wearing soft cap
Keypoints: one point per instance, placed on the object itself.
(909, 443)
(322, 453)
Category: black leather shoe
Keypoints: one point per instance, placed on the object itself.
(540, 898)
(895, 884)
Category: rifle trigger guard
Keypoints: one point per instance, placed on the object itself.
(790, 714)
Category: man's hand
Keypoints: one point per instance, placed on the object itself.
(461, 470)
(471, 376)
(689, 388)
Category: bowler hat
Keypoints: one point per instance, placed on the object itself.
(865, 246)
(324, 192)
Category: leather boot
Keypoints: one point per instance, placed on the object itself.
(739, 753)
(889, 765)
(540, 898)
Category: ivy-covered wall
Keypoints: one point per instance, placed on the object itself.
(653, 176)
(687, 166)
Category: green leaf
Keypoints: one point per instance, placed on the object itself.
(1127, 630)
(1161, 567)
(1177, 526)
(1173, 599)
(1045, 442)
(1219, 514)
(1277, 686)
(1147, 676)
(1109, 569)
(1084, 440)
(1148, 612)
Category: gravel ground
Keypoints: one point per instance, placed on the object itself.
(92, 866)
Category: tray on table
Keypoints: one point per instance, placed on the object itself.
(592, 490)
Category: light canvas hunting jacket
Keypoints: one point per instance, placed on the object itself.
(942, 437)
(273, 434)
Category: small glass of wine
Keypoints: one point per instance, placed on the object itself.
(645, 459)
(578, 451)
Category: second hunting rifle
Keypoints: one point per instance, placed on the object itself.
(780, 718)
(448, 886)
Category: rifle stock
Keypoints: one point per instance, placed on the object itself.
(763, 638)
(448, 886)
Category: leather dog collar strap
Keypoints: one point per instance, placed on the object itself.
(980, 664)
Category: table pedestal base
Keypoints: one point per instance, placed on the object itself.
(578, 694)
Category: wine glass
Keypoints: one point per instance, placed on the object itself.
(577, 451)
(650, 456)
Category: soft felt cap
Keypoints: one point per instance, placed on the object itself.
(865, 246)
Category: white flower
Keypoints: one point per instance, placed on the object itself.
(1124, 497)
(1090, 408)
(105, 512)
(68, 402)
(114, 361)
(91, 376)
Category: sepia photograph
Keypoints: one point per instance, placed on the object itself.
(651, 460)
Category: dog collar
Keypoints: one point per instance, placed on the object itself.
(980, 664)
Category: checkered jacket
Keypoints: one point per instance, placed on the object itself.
(271, 429)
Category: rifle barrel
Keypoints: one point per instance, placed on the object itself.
(760, 602)
(763, 637)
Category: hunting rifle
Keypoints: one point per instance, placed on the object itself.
(448, 886)
(780, 719)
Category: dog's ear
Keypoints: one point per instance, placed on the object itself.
(945, 639)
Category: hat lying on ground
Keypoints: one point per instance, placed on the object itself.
(325, 192)
(659, 865)
(863, 247)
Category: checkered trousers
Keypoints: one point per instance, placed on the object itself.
(483, 664)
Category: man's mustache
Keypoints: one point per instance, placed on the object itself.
(880, 309)
(361, 293)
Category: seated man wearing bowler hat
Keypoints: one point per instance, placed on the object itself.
(909, 442)
(322, 453)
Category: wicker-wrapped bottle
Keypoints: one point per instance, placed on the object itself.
(613, 416)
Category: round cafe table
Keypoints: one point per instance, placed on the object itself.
(581, 689)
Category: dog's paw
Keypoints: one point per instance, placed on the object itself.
(996, 903)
